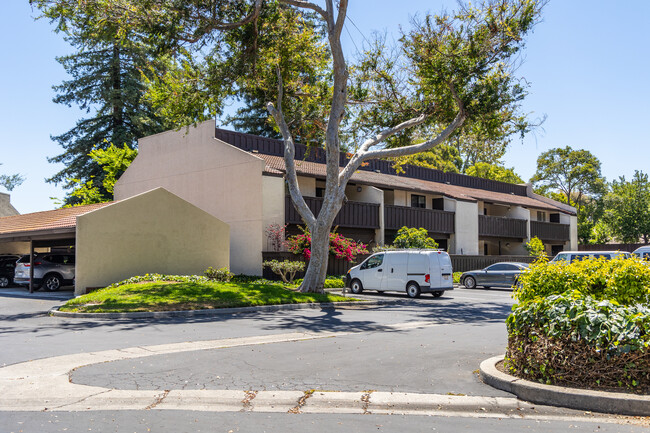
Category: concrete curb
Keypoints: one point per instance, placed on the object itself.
(54, 311)
(572, 398)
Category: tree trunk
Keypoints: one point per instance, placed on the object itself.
(314, 281)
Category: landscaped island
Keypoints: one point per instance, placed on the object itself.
(584, 324)
(172, 293)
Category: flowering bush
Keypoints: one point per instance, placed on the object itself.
(275, 236)
(340, 246)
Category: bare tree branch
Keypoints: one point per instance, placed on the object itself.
(289, 157)
(306, 5)
(383, 135)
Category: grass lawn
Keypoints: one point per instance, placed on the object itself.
(171, 296)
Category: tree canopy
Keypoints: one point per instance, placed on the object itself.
(628, 208)
(11, 181)
(574, 173)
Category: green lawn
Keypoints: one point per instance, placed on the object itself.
(171, 296)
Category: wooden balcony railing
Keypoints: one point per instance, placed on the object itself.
(502, 227)
(352, 214)
(435, 221)
(549, 231)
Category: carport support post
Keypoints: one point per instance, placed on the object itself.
(31, 266)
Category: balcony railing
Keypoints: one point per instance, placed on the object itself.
(352, 214)
(435, 221)
(549, 231)
(502, 227)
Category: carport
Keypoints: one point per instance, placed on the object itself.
(23, 234)
(153, 232)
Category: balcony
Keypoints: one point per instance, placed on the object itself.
(549, 231)
(501, 227)
(352, 214)
(435, 221)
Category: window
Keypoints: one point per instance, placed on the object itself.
(541, 216)
(418, 201)
(438, 203)
(373, 262)
(320, 192)
(502, 267)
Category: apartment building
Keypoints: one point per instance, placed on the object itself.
(239, 179)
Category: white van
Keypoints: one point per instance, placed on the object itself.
(410, 271)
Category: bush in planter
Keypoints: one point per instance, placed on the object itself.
(414, 238)
(582, 324)
(286, 269)
(222, 274)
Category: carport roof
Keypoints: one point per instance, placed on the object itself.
(47, 222)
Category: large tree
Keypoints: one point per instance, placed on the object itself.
(573, 173)
(109, 72)
(628, 208)
(460, 68)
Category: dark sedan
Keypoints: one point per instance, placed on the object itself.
(502, 274)
(7, 266)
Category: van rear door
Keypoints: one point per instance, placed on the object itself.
(446, 270)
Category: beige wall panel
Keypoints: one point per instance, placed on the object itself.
(6, 208)
(221, 179)
(307, 186)
(14, 247)
(151, 232)
(272, 204)
(466, 222)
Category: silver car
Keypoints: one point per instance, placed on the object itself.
(502, 274)
(51, 271)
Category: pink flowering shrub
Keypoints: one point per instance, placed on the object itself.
(340, 246)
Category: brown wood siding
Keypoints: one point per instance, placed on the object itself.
(270, 146)
(352, 214)
(611, 247)
(502, 227)
(435, 221)
(549, 231)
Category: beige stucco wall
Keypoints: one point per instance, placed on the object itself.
(218, 178)
(369, 194)
(573, 232)
(6, 209)
(465, 239)
(307, 186)
(273, 198)
(151, 232)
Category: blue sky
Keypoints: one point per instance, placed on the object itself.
(587, 63)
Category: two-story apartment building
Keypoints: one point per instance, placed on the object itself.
(239, 179)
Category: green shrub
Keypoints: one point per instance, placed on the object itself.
(570, 339)
(414, 238)
(222, 274)
(331, 282)
(626, 281)
(535, 247)
(286, 269)
(456, 277)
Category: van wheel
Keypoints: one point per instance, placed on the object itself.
(469, 282)
(356, 287)
(413, 290)
(437, 294)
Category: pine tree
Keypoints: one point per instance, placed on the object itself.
(108, 79)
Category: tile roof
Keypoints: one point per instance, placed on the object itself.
(275, 165)
(46, 220)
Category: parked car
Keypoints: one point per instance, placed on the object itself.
(642, 252)
(503, 274)
(410, 271)
(7, 269)
(51, 270)
(573, 256)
